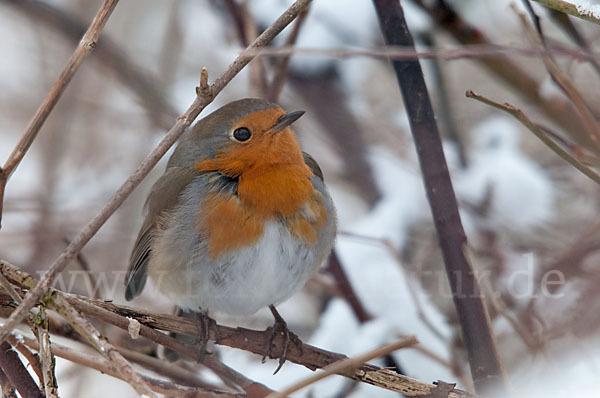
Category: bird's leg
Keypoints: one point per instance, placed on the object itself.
(280, 327)
(204, 324)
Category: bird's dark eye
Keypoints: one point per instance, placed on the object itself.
(242, 134)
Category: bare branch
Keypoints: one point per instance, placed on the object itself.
(571, 9)
(346, 364)
(17, 374)
(282, 67)
(46, 357)
(86, 358)
(85, 47)
(539, 133)
(100, 343)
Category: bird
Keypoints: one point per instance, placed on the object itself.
(239, 221)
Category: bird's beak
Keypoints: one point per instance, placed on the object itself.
(285, 120)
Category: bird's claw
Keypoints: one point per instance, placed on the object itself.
(205, 323)
(280, 327)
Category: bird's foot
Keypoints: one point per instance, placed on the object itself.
(280, 327)
(204, 324)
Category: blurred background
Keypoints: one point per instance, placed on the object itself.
(531, 217)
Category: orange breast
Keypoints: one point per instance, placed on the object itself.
(228, 225)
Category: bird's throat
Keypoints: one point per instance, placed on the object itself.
(277, 190)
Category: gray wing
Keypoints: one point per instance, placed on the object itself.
(313, 165)
(163, 196)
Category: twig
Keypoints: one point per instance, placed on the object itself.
(258, 79)
(245, 339)
(571, 9)
(32, 358)
(46, 357)
(564, 22)
(495, 52)
(235, 11)
(85, 266)
(535, 19)
(85, 47)
(282, 67)
(484, 361)
(505, 68)
(9, 289)
(172, 370)
(588, 119)
(182, 123)
(88, 359)
(109, 54)
(539, 133)
(8, 390)
(100, 343)
(346, 289)
(345, 364)
(250, 387)
(16, 372)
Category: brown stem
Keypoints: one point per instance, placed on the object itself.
(282, 67)
(485, 364)
(16, 372)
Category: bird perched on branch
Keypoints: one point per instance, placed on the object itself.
(240, 219)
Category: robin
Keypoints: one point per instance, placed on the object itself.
(240, 219)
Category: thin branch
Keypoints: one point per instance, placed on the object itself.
(250, 387)
(486, 367)
(17, 374)
(32, 358)
(85, 266)
(571, 9)
(10, 289)
(539, 133)
(182, 123)
(495, 52)
(347, 291)
(8, 390)
(346, 364)
(135, 77)
(88, 359)
(567, 25)
(100, 343)
(85, 47)
(46, 357)
(510, 73)
(281, 68)
(240, 338)
(588, 119)
(258, 79)
(172, 370)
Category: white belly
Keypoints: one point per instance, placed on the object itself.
(240, 282)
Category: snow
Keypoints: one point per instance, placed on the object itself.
(521, 192)
(588, 8)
